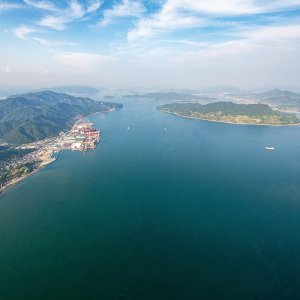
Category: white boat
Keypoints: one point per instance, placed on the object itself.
(269, 148)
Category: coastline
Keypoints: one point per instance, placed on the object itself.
(45, 160)
(16, 180)
(231, 123)
(98, 112)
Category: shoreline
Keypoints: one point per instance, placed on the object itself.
(43, 163)
(231, 123)
(17, 180)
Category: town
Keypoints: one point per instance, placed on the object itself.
(81, 137)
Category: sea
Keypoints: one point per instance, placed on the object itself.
(164, 208)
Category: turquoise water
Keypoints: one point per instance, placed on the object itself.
(164, 208)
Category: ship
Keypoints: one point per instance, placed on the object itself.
(269, 148)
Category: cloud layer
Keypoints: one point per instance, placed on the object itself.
(151, 42)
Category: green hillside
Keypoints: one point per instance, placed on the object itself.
(35, 116)
(228, 112)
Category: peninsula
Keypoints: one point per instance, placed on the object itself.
(233, 113)
(36, 127)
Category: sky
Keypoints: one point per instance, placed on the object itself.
(150, 43)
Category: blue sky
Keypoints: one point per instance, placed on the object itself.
(145, 43)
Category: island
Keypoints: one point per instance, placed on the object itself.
(233, 113)
(36, 127)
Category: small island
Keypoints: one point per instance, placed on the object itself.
(233, 113)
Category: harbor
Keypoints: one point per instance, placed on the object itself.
(81, 137)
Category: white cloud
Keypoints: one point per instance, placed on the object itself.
(26, 33)
(57, 23)
(212, 6)
(229, 7)
(9, 6)
(45, 72)
(50, 43)
(180, 14)
(259, 40)
(74, 6)
(23, 32)
(76, 10)
(165, 20)
(58, 17)
(82, 60)
(44, 5)
(126, 8)
(93, 6)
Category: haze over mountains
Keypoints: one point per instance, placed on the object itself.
(280, 97)
(275, 96)
(171, 96)
(75, 90)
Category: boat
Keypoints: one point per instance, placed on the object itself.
(269, 148)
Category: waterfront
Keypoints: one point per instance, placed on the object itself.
(164, 208)
(81, 137)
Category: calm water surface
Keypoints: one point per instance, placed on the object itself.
(165, 208)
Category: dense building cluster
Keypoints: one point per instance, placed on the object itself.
(81, 137)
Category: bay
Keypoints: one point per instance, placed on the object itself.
(164, 208)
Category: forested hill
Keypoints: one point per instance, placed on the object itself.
(34, 116)
(229, 112)
(229, 108)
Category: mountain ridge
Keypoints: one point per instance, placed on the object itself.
(34, 116)
(229, 112)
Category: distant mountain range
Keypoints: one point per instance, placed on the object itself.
(171, 96)
(6, 90)
(275, 97)
(279, 97)
(34, 116)
(75, 90)
(222, 89)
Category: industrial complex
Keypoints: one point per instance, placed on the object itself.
(81, 137)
